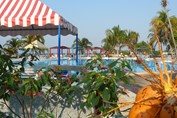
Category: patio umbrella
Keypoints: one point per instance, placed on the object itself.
(36, 44)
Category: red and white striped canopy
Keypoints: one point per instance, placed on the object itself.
(22, 17)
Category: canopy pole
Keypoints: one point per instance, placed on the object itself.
(59, 43)
(50, 53)
(76, 49)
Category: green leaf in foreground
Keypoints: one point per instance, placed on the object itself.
(93, 99)
(105, 94)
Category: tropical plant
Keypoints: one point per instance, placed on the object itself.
(100, 84)
(154, 100)
(12, 46)
(141, 44)
(24, 90)
(83, 44)
(131, 39)
(30, 38)
(114, 39)
(161, 24)
(108, 44)
(164, 5)
(158, 99)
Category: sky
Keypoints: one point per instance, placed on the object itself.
(94, 17)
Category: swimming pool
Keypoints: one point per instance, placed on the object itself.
(135, 66)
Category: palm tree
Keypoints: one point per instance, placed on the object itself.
(30, 38)
(164, 5)
(84, 43)
(143, 47)
(114, 38)
(131, 39)
(108, 44)
(160, 25)
(12, 46)
(174, 27)
(173, 20)
(152, 42)
(141, 44)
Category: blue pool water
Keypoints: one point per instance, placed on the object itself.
(135, 66)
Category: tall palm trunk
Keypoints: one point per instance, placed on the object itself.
(164, 4)
(118, 49)
(17, 54)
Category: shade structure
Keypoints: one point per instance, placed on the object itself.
(89, 50)
(22, 17)
(101, 50)
(62, 48)
(36, 44)
(98, 48)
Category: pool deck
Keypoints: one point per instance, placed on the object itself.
(69, 68)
